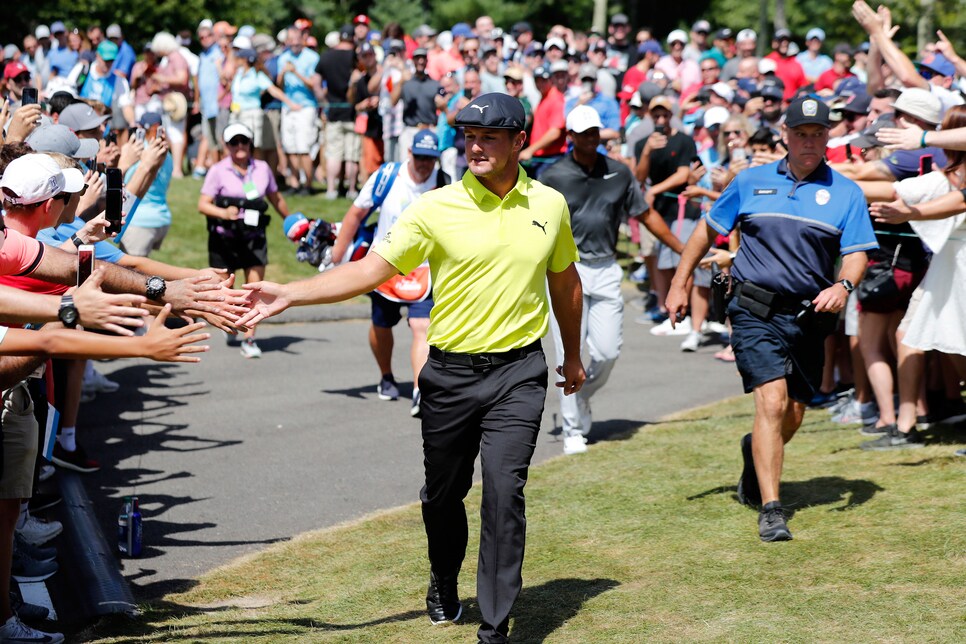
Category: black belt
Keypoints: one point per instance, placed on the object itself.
(780, 303)
(484, 360)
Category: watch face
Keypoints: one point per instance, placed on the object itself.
(68, 315)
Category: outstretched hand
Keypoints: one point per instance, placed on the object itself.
(268, 299)
(174, 345)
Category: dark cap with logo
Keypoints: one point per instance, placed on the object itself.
(807, 111)
(493, 110)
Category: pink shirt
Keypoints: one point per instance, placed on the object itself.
(687, 72)
(20, 254)
(224, 179)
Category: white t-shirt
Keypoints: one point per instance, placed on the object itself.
(403, 192)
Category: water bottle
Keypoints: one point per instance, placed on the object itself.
(124, 526)
(134, 533)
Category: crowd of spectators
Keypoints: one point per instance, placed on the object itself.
(686, 111)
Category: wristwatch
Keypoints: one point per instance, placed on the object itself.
(849, 286)
(68, 312)
(155, 288)
(78, 242)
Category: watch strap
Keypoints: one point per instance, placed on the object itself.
(78, 242)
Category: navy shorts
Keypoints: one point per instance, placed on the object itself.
(767, 350)
(387, 314)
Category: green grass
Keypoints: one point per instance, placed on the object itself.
(641, 539)
(187, 241)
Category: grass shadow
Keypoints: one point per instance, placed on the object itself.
(541, 610)
(822, 490)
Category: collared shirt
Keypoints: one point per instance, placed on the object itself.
(209, 80)
(294, 88)
(599, 200)
(223, 179)
(489, 259)
(792, 230)
(403, 193)
(63, 59)
(153, 210)
(20, 254)
(126, 57)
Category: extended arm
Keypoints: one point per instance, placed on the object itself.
(696, 248)
(898, 211)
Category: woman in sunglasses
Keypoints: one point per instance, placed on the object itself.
(235, 198)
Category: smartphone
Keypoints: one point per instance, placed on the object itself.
(139, 134)
(661, 129)
(101, 168)
(925, 164)
(161, 134)
(443, 92)
(468, 93)
(111, 137)
(29, 96)
(85, 263)
(739, 154)
(115, 197)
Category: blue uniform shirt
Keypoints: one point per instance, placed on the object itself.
(792, 230)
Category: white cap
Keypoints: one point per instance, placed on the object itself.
(716, 115)
(583, 118)
(815, 32)
(920, 103)
(206, 24)
(559, 66)
(331, 39)
(746, 35)
(724, 91)
(246, 31)
(113, 31)
(677, 35)
(241, 42)
(237, 129)
(34, 178)
(555, 42)
(766, 66)
(42, 31)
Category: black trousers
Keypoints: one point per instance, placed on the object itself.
(494, 412)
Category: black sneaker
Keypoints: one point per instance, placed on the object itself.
(442, 600)
(872, 430)
(76, 460)
(40, 501)
(27, 612)
(24, 569)
(771, 523)
(37, 553)
(895, 440)
(748, 491)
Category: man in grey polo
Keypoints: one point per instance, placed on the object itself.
(601, 193)
(419, 94)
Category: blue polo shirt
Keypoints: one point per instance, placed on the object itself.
(209, 80)
(792, 231)
(294, 88)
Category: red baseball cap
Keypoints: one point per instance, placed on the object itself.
(361, 19)
(13, 69)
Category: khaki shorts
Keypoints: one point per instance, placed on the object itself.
(341, 142)
(254, 120)
(270, 129)
(300, 130)
(20, 435)
(140, 241)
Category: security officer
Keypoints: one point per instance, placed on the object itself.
(601, 193)
(494, 242)
(796, 217)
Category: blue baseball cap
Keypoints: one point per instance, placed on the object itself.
(650, 47)
(425, 144)
(461, 29)
(939, 64)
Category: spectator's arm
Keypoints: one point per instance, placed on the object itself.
(548, 137)
(946, 48)
(899, 212)
(676, 180)
(879, 27)
(874, 171)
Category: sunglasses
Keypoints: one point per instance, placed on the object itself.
(709, 69)
(240, 140)
(926, 74)
(424, 157)
(64, 196)
(732, 132)
(22, 78)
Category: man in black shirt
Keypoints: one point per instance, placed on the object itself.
(420, 96)
(341, 141)
(601, 193)
(664, 159)
(364, 96)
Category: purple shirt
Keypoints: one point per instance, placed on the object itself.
(224, 179)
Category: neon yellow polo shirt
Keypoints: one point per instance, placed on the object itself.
(489, 259)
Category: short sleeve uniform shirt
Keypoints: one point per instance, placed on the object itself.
(792, 230)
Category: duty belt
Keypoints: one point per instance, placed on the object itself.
(780, 303)
(483, 361)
